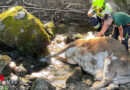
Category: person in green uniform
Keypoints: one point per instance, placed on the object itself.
(121, 20)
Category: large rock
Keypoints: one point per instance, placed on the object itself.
(4, 61)
(20, 29)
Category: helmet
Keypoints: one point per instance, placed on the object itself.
(98, 3)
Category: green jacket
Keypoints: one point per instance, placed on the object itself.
(121, 18)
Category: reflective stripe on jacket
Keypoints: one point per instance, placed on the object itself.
(107, 10)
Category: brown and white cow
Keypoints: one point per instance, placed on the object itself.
(105, 58)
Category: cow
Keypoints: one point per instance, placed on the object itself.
(103, 57)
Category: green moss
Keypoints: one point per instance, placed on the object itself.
(78, 36)
(12, 12)
(50, 28)
(27, 33)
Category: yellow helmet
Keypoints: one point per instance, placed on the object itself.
(98, 4)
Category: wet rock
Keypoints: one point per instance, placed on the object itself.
(42, 84)
(77, 86)
(6, 71)
(125, 87)
(12, 87)
(50, 28)
(15, 54)
(20, 15)
(78, 81)
(14, 79)
(20, 29)
(12, 65)
(24, 83)
(75, 77)
(20, 70)
(72, 37)
(4, 61)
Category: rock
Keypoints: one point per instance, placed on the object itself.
(22, 30)
(77, 81)
(4, 61)
(125, 87)
(77, 86)
(12, 65)
(14, 79)
(50, 28)
(42, 84)
(12, 88)
(72, 37)
(75, 77)
(20, 70)
(20, 15)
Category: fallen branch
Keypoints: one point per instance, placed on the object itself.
(29, 4)
(46, 9)
(8, 2)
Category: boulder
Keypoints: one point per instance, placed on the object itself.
(18, 28)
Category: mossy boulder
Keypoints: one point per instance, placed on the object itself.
(18, 28)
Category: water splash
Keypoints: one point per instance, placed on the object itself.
(90, 35)
(43, 59)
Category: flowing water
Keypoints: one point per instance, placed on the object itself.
(58, 72)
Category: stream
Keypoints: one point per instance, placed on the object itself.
(58, 72)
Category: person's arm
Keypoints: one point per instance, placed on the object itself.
(91, 12)
(106, 24)
(103, 30)
(121, 32)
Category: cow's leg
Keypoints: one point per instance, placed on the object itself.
(106, 79)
